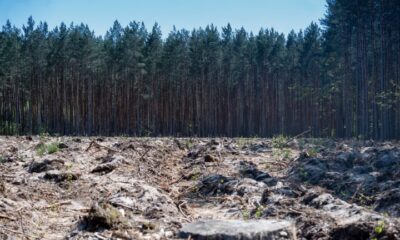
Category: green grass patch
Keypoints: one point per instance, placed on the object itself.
(41, 149)
(51, 148)
(279, 141)
(242, 142)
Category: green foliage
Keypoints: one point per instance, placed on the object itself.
(146, 133)
(380, 228)
(195, 174)
(246, 214)
(43, 132)
(189, 143)
(9, 128)
(70, 179)
(279, 141)
(364, 199)
(69, 166)
(312, 152)
(259, 212)
(143, 84)
(282, 153)
(51, 148)
(286, 154)
(303, 173)
(242, 142)
(41, 149)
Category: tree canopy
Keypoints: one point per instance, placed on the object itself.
(340, 79)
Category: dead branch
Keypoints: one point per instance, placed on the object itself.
(7, 217)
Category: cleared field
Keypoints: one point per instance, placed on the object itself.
(147, 188)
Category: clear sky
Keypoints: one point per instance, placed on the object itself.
(282, 15)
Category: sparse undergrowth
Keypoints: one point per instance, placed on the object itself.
(279, 141)
(43, 149)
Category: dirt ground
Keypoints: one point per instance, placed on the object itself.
(146, 188)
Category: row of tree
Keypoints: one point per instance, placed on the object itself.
(342, 80)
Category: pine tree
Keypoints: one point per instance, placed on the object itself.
(342, 80)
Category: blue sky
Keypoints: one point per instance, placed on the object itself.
(282, 15)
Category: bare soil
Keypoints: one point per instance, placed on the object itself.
(146, 188)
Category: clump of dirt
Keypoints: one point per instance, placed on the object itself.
(45, 165)
(146, 188)
(58, 176)
(367, 176)
(102, 216)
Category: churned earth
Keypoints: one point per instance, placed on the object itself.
(149, 188)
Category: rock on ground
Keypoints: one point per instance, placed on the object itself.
(239, 230)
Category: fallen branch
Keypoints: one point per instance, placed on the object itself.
(7, 217)
(57, 204)
(144, 154)
(176, 181)
(22, 225)
(95, 144)
(299, 135)
(12, 231)
(100, 236)
(186, 217)
(356, 192)
(295, 211)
